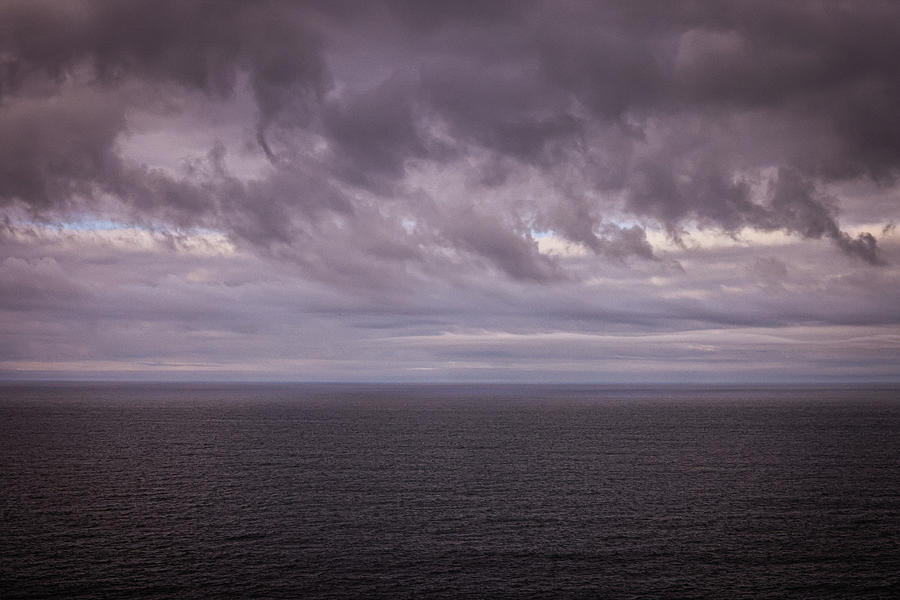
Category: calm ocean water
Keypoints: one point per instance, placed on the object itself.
(312, 491)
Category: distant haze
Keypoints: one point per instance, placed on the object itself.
(398, 190)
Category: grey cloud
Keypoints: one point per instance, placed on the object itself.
(864, 246)
(702, 191)
(60, 159)
(67, 295)
(55, 148)
(431, 15)
(198, 44)
(278, 208)
(487, 236)
(647, 109)
(652, 63)
(649, 66)
(770, 270)
(575, 219)
(373, 133)
(620, 242)
(795, 207)
(502, 107)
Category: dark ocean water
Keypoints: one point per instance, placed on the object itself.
(128, 491)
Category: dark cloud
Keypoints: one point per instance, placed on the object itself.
(383, 167)
(200, 44)
(795, 208)
(502, 107)
(56, 149)
(373, 133)
(513, 253)
(607, 86)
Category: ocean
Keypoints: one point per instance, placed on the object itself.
(448, 491)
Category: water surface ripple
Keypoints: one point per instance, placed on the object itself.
(339, 491)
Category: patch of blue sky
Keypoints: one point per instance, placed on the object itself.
(92, 224)
(618, 221)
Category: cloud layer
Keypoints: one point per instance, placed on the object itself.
(425, 180)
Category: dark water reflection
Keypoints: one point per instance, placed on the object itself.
(117, 491)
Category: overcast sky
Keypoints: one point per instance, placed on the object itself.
(464, 190)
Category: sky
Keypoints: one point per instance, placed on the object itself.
(403, 190)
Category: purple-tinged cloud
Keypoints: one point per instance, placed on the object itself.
(432, 168)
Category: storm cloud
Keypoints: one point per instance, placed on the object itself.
(427, 168)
